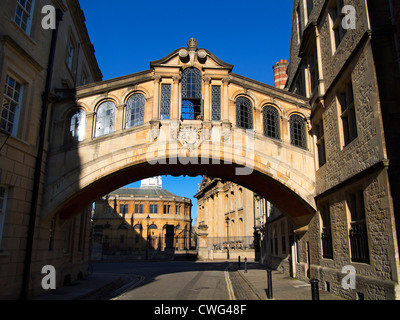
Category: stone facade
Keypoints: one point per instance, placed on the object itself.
(341, 71)
(228, 211)
(104, 161)
(128, 220)
(24, 59)
(330, 162)
(238, 217)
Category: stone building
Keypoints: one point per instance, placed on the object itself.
(228, 211)
(238, 217)
(28, 88)
(345, 60)
(130, 221)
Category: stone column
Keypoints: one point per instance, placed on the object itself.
(225, 102)
(175, 99)
(90, 125)
(321, 83)
(202, 238)
(119, 123)
(156, 98)
(207, 104)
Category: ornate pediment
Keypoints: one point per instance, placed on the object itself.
(191, 56)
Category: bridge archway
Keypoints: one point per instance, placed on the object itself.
(287, 188)
(215, 143)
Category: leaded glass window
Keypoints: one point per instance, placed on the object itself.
(76, 126)
(11, 106)
(23, 14)
(165, 101)
(244, 113)
(191, 94)
(271, 122)
(216, 103)
(135, 110)
(105, 119)
(298, 135)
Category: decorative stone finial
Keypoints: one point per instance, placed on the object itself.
(192, 44)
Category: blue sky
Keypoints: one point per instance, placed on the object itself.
(128, 34)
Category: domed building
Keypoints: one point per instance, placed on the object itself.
(138, 220)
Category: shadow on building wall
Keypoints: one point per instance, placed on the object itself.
(118, 236)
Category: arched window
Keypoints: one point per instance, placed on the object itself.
(298, 135)
(271, 122)
(105, 119)
(191, 94)
(75, 126)
(135, 111)
(244, 113)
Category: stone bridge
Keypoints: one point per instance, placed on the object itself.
(189, 114)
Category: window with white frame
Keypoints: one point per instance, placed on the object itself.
(23, 14)
(3, 200)
(11, 105)
(105, 118)
(135, 111)
(75, 126)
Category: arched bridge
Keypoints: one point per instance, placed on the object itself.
(189, 114)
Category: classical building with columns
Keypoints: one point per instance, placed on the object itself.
(239, 218)
(129, 221)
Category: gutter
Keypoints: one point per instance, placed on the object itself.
(39, 160)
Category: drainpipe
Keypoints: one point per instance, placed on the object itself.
(39, 160)
(396, 39)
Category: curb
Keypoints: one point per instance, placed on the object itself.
(129, 286)
(250, 286)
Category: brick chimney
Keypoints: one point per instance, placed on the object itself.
(280, 74)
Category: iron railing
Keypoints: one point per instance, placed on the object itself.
(234, 243)
(359, 243)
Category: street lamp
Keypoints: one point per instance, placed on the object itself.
(227, 237)
(147, 240)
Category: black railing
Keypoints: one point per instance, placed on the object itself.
(327, 249)
(359, 243)
(233, 243)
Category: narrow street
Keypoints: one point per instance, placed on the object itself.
(175, 280)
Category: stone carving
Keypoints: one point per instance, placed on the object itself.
(189, 55)
(155, 130)
(190, 138)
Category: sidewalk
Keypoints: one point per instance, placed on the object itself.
(95, 287)
(284, 287)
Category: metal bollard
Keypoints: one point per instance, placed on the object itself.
(245, 265)
(270, 294)
(239, 263)
(314, 289)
